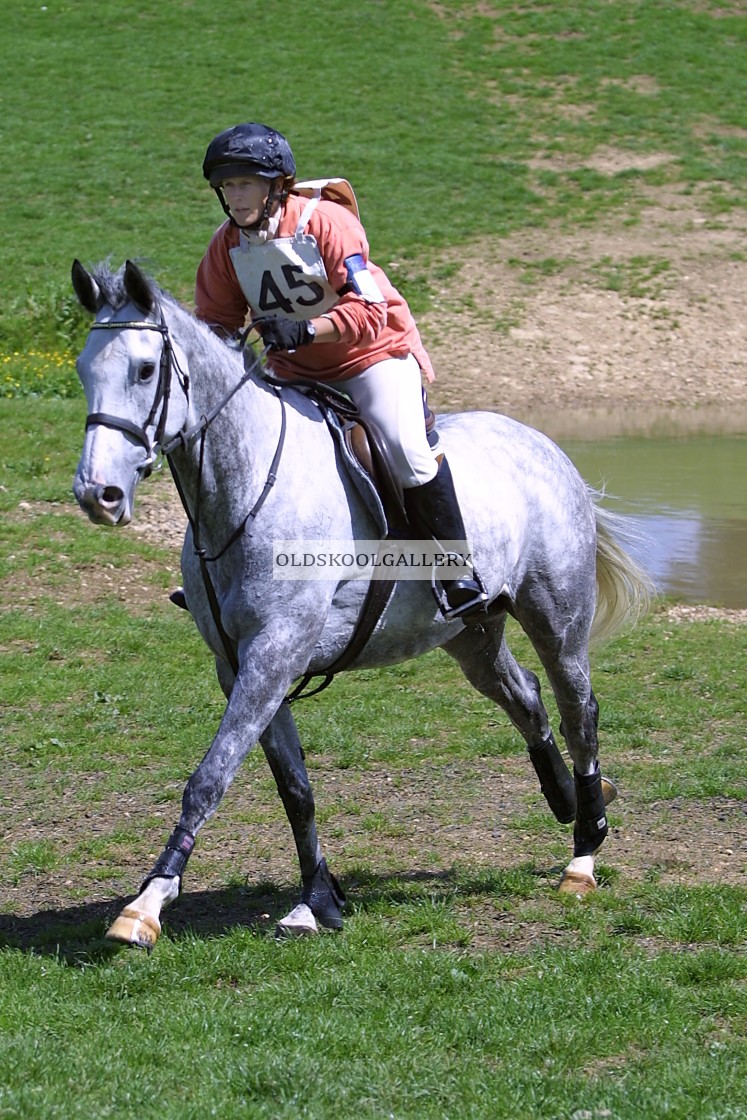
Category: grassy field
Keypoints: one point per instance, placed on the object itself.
(463, 985)
(452, 121)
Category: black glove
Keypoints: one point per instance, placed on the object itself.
(285, 334)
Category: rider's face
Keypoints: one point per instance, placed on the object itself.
(246, 196)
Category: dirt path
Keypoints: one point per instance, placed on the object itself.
(619, 326)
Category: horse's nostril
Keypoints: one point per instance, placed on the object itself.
(110, 495)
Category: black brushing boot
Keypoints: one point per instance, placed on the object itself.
(433, 510)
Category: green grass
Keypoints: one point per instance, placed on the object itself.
(453, 124)
(463, 985)
(271, 1031)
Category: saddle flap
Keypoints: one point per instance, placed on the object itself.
(367, 444)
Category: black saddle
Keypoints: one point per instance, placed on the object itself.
(365, 442)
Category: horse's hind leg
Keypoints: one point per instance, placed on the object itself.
(489, 665)
(563, 649)
(578, 725)
(322, 898)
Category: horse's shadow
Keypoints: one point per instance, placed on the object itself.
(76, 933)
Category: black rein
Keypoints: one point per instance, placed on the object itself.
(379, 591)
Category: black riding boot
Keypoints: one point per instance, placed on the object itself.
(433, 510)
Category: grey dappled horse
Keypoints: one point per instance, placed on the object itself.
(255, 464)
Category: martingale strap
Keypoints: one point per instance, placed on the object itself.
(377, 596)
(379, 591)
(194, 520)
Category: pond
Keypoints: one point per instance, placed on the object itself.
(686, 491)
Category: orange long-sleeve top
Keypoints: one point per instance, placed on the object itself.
(369, 332)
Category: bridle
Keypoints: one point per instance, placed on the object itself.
(167, 365)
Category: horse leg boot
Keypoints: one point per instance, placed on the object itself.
(556, 782)
(322, 898)
(433, 509)
(589, 832)
(555, 778)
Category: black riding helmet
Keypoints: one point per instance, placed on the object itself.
(250, 149)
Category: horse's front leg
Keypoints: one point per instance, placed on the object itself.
(322, 898)
(265, 674)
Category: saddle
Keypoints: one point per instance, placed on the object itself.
(366, 443)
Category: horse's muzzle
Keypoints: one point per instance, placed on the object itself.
(105, 505)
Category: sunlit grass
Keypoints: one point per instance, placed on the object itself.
(477, 121)
(39, 373)
(474, 984)
(465, 991)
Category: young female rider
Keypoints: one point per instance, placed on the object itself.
(300, 268)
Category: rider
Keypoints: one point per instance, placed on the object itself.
(300, 267)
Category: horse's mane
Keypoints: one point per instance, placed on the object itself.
(111, 285)
(112, 288)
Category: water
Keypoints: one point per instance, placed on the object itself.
(688, 495)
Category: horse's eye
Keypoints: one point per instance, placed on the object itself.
(147, 370)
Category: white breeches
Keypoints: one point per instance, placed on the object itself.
(390, 394)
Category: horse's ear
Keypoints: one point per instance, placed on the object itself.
(86, 288)
(138, 288)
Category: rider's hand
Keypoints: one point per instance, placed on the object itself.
(285, 334)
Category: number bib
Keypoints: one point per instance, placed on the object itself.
(285, 276)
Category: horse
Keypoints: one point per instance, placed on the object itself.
(256, 462)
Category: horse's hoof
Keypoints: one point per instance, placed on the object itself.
(609, 790)
(576, 883)
(299, 923)
(134, 927)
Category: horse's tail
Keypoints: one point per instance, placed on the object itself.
(624, 589)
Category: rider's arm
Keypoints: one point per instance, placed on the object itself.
(326, 329)
(360, 315)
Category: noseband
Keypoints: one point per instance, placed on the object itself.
(161, 399)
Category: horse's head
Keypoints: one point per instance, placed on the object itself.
(126, 367)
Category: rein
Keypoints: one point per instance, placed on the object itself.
(378, 592)
(184, 439)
